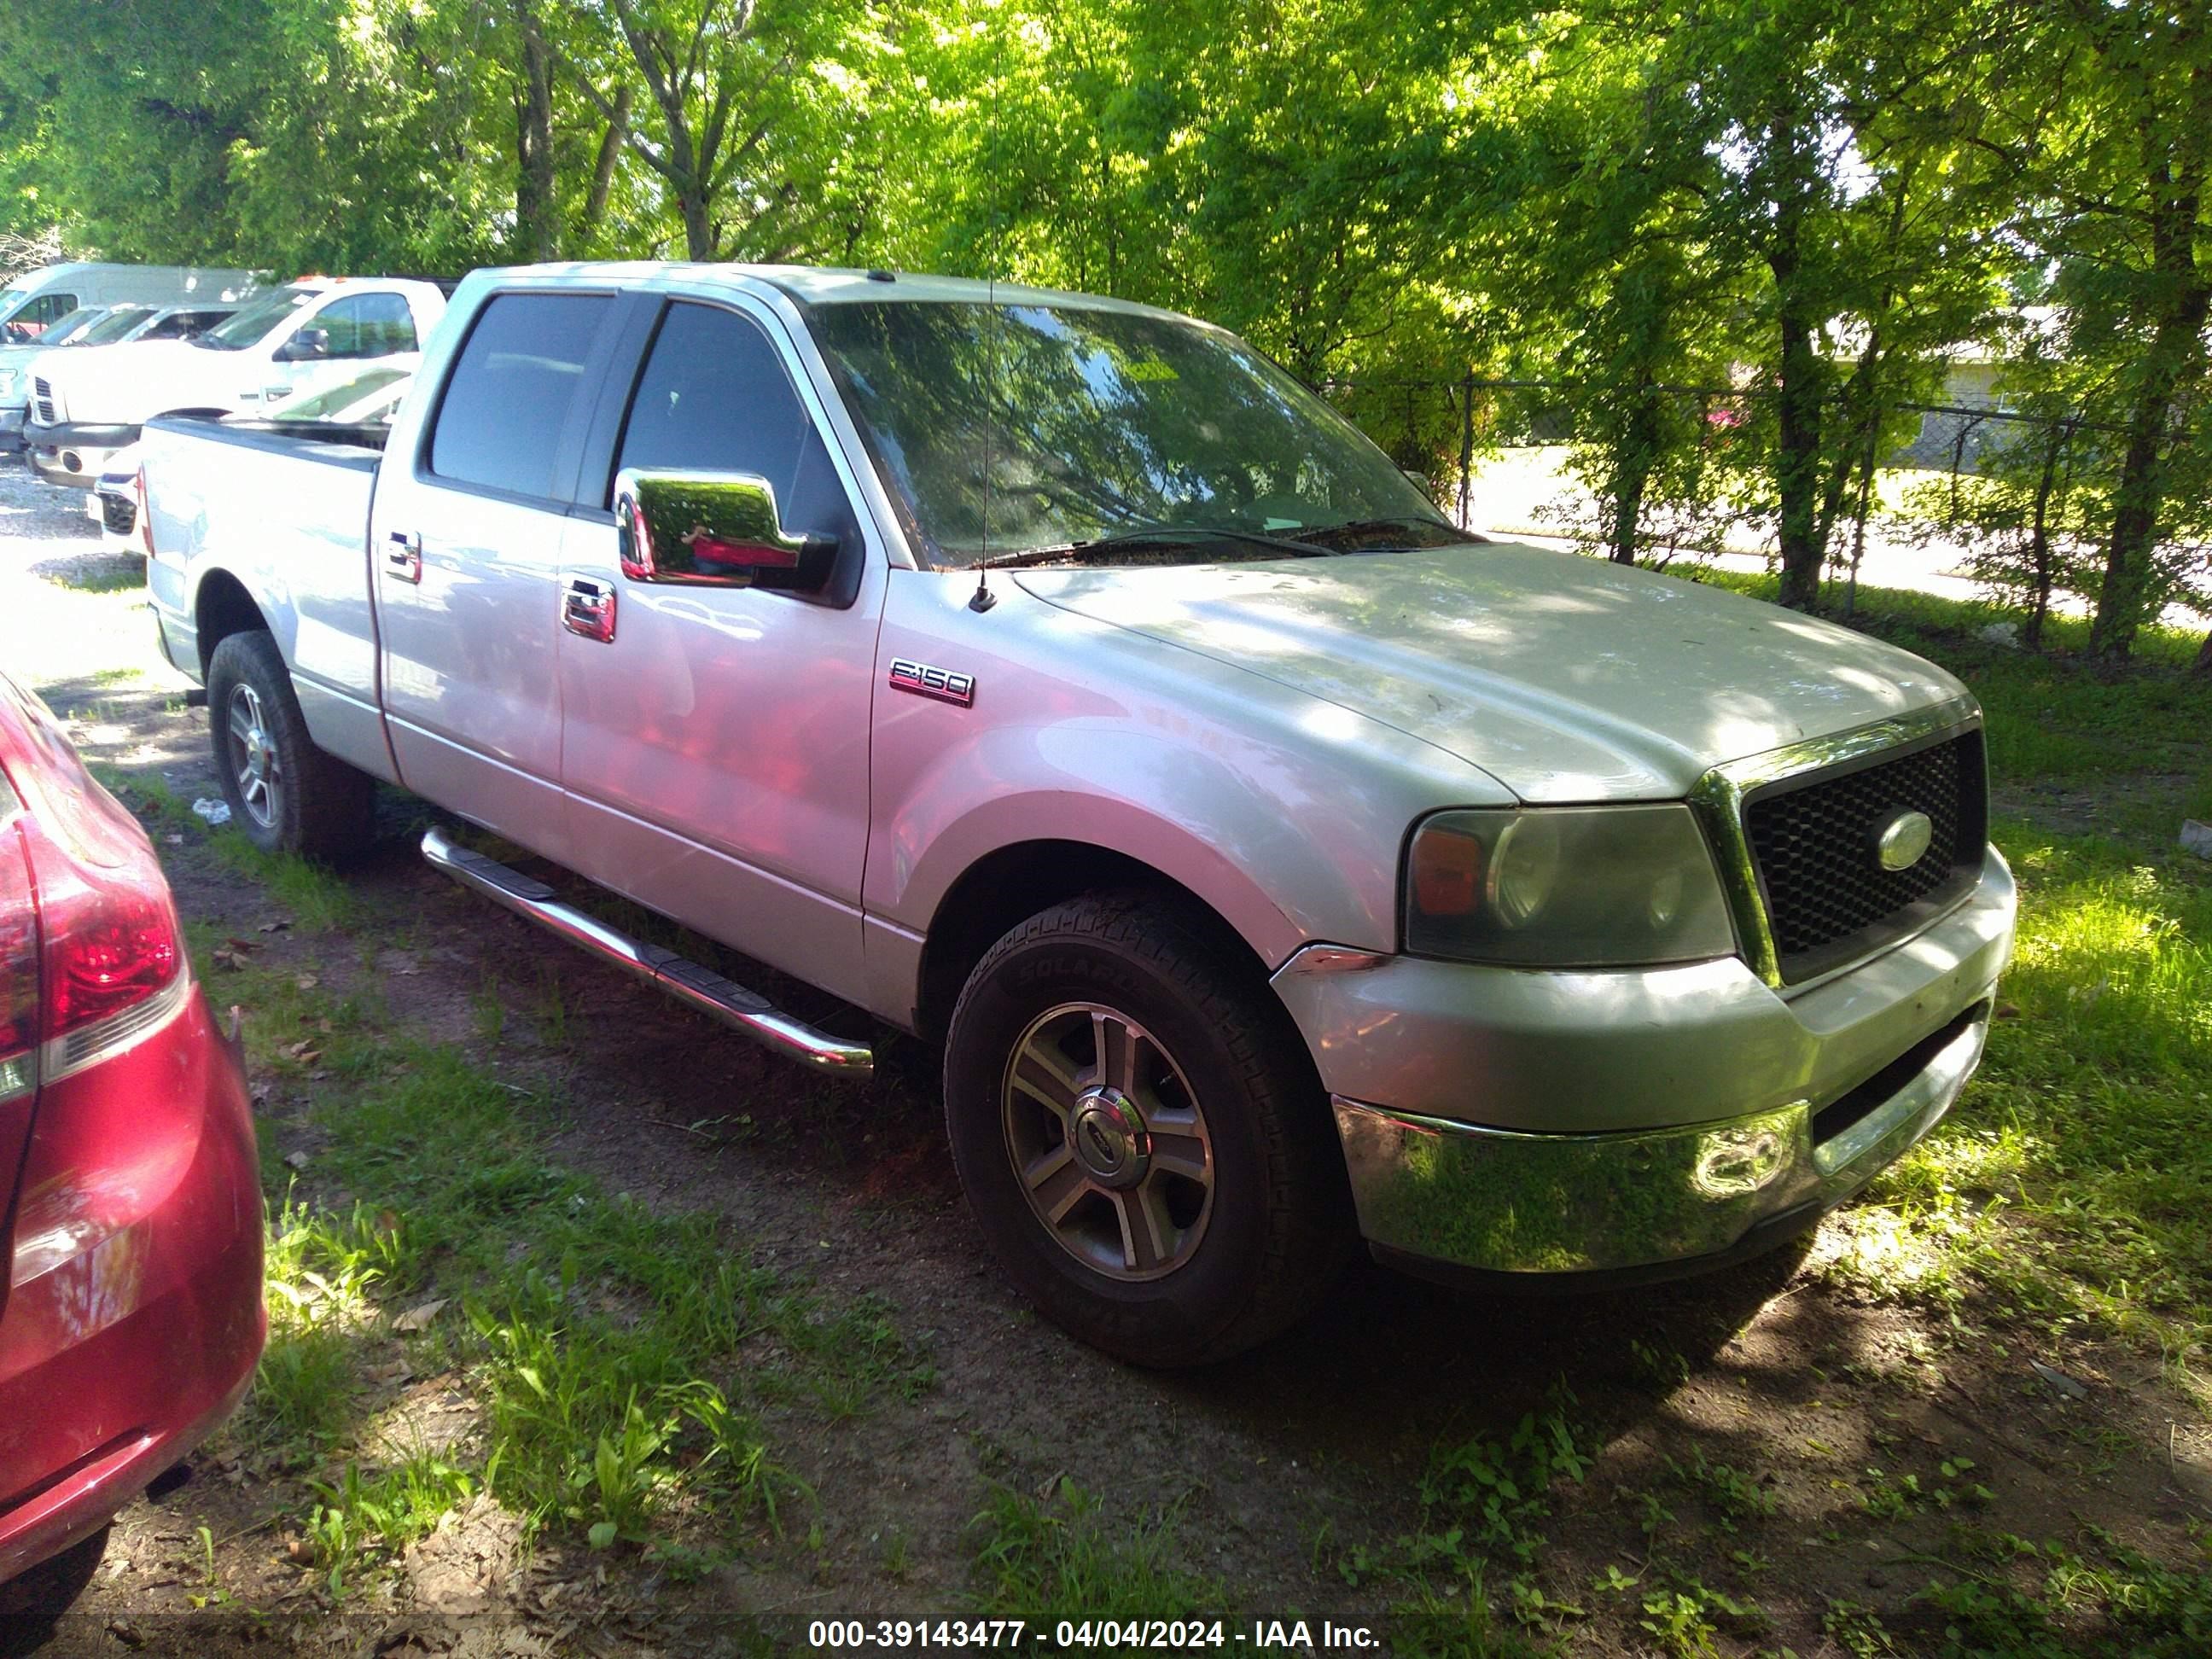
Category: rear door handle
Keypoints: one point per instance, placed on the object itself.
(402, 557)
(588, 608)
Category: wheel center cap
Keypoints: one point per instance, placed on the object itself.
(1109, 1137)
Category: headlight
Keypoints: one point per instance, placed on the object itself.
(1565, 886)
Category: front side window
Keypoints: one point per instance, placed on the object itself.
(714, 397)
(512, 390)
(34, 318)
(365, 326)
(1013, 428)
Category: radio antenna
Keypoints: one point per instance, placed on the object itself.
(983, 599)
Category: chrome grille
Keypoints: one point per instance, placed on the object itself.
(1813, 839)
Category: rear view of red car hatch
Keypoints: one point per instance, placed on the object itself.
(131, 1313)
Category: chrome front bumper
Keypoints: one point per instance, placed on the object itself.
(1639, 1124)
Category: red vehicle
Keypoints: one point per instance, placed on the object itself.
(130, 1312)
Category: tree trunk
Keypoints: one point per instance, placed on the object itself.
(2038, 541)
(698, 227)
(1631, 476)
(603, 167)
(2202, 666)
(537, 220)
(2134, 537)
(1797, 465)
(2174, 354)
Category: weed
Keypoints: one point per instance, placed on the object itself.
(1856, 1631)
(113, 580)
(1733, 1496)
(1060, 1558)
(317, 899)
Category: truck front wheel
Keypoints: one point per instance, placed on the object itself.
(1140, 1134)
(285, 795)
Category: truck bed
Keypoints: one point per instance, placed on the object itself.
(282, 507)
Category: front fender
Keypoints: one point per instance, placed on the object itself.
(1284, 813)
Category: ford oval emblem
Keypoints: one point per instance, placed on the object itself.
(1903, 840)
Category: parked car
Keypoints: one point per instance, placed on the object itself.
(1057, 678)
(130, 1314)
(34, 301)
(101, 326)
(366, 400)
(305, 337)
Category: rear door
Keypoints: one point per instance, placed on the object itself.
(465, 553)
(716, 743)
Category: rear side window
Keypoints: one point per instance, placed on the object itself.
(508, 399)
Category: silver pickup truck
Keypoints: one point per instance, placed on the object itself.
(1277, 864)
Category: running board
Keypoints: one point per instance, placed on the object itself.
(681, 978)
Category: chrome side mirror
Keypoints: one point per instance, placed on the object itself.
(713, 530)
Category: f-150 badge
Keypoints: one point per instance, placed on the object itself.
(925, 681)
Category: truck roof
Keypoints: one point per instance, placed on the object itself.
(830, 285)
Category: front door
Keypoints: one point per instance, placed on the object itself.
(715, 740)
(465, 544)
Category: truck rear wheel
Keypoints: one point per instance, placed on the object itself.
(285, 795)
(1140, 1134)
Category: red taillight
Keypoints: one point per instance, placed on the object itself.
(119, 949)
(19, 957)
(145, 519)
(113, 961)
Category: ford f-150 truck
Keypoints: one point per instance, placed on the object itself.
(1277, 864)
(303, 337)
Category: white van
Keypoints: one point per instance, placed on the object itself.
(47, 295)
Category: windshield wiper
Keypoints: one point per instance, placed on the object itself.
(1383, 526)
(1168, 534)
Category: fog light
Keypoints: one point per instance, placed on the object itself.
(1739, 1159)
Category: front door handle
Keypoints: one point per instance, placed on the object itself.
(588, 608)
(402, 557)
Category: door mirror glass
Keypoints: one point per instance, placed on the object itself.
(713, 530)
(307, 345)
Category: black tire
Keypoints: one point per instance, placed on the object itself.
(310, 802)
(1276, 1228)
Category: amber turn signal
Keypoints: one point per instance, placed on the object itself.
(1447, 873)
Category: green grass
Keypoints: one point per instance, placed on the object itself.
(100, 581)
(317, 898)
(1061, 1557)
(619, 1361)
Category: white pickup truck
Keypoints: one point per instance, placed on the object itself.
(1277, 864)
(301, 337)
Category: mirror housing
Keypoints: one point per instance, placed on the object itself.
(713, 530)
(308, 345)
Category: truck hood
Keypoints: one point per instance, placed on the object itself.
(1565, 678)
(127, 383)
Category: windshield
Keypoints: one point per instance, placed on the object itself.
(254, 323)
(113, 326)
(1066, 424)
(332, 404)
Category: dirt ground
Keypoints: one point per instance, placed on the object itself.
(1277, 1464)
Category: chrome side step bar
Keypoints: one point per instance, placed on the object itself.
(686, 981)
